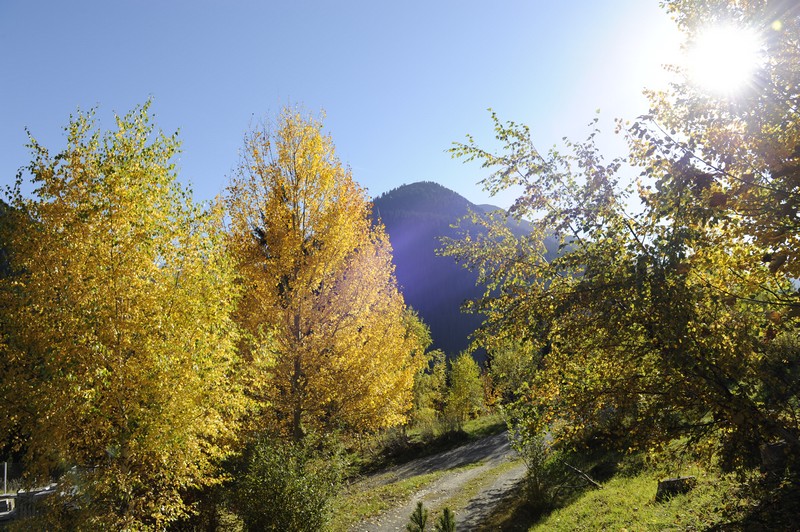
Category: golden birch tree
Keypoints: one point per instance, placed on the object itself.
(320, 294)
(118, 343)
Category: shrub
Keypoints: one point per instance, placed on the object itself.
(287, 485)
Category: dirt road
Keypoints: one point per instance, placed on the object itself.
(479, 475)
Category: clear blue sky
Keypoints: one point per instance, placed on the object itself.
(399, 81)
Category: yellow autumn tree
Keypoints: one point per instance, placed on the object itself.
(118, 344)
(327, 329)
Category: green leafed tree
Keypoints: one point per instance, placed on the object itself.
(511, 367)
(664, 320)
(430, 388)
(465, 390)
(646, 326)
(118, 344)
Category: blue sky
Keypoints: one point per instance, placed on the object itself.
(399, 81)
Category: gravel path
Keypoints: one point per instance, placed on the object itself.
(490, 481)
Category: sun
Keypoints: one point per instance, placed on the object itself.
(723, 59)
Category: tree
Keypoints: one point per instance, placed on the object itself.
(430, 387)
(118, 352)
(511, 369)
(446, 521)
(465, 391)
(646, 326)
(739, 155)
(418, 519)
(319, 289)
(746, 146)
(665, 321)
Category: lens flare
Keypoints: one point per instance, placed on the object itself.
(723, 59)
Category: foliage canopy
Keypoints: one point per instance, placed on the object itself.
(319, 287)
(679, 317)
(117, 357)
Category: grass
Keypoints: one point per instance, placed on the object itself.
(470, 430)
(626, 500)
(476, 484)
(399, 448)
(628, 503)
(362, 500)
(484, 426)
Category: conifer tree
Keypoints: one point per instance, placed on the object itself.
(446, 522)
(418, 519)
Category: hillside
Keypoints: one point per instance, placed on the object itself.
(416, 216)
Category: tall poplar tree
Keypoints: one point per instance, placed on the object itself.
(326, 326)
(118, 344)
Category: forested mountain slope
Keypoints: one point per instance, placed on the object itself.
(416, 216)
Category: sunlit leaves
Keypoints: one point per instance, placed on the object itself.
(465, 393)
(646, 325)
(116, 318)
(319, 288)
(750, 143)
(723, 58)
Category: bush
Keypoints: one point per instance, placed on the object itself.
(543, 481)
(287, 485)
(550, 482)
(427, 422)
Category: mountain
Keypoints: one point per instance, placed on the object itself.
(416, 216)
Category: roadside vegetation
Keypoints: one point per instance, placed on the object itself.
(628, 502)
(244, 364)
(362, 501)
(670, 312)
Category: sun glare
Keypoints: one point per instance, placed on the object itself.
(723, 59)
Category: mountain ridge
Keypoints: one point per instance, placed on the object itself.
(416, 217)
